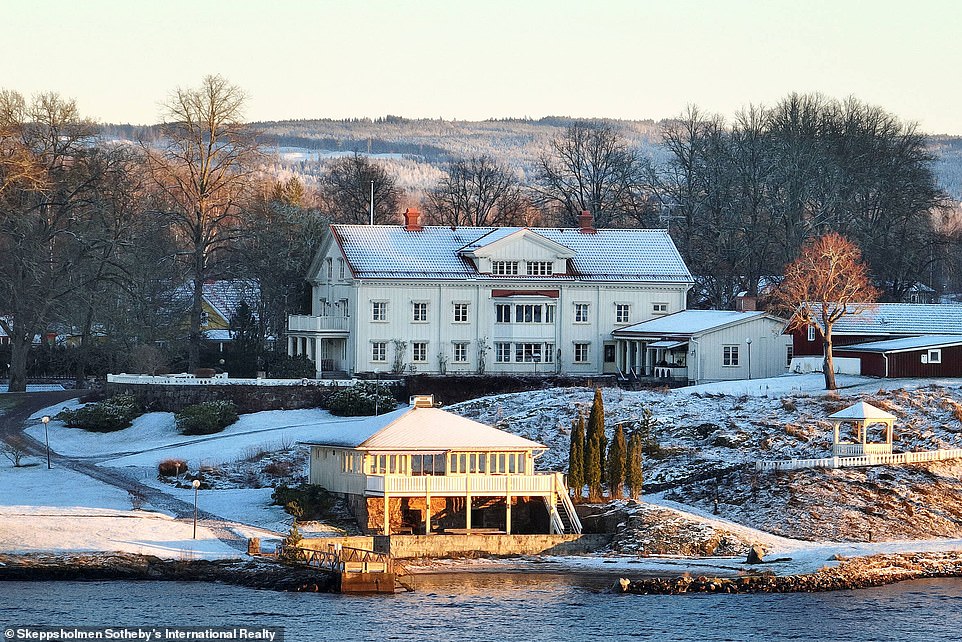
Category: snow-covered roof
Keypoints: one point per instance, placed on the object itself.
(218, 335)
(418, 429)
(689, 322)
(435, 252)
(902, 345)
(224, 295)
(862, 410)
(899, 319)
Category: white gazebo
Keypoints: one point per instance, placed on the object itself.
(861, 416)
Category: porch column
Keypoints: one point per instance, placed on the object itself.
(835, 438)
(290, 346)
(618, 362)
(387, 514)
(863, 426)
(507, 506)
(427, 504)
(467, 507)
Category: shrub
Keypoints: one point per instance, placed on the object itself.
(206, 418)
(171, 467)
(109, 415)
(361, 399)
(307, 501)
(282, 366)
(278, 469)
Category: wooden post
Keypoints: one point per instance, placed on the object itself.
(387, 513)
(507, 506)
(427, 504)
(467, 507)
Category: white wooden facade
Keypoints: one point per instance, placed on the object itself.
(532, 301)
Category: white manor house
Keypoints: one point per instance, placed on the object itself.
(435, 299)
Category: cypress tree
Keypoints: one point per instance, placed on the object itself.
(576, 457)
(633, 470)
(617, 458)
(596, 432)
(592, 470)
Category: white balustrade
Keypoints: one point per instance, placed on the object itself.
(871, 459)
(310, 323)
(460, 484)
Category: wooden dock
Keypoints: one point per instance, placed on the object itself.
(359, 570)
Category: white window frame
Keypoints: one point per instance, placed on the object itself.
(502, 352)
(789, 355)
(502, 312)
(582, 352)
(582, 313)
(935, 355)
(416, 347)
(375, 350)
(382, 306)
(622, 308)
(539, 268)
(659, 308)
(504, 268)
(458, 308)
(419, 311)
(811, 333)
(340, 268)
(730, 356)
(330, 268)
(460, 351)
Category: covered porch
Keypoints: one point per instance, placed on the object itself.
(323, 340)
(652, 357)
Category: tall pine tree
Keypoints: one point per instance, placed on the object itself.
(633, 470)
(592, 470)
(596, 432)
(617, 459)
(576, 457)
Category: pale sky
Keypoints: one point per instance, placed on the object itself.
(489, 58)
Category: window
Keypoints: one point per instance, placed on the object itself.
(345, 307)
(460, 312)
(460, 352)
(540, 268)
(581, 352)
(730, 356)
(533, 352)
(789, 354)
(330, 268)
(549, 313)
(379, 351)
(581, 313)
(659, 308)
(340, 268)
(811, 333)
(502, 353)
(420, 351)
(420, 314)
(622, 313)
(935, 356)
(504, 268)
(378, 310)
(609, 353)
(503, 312)
(534, 313)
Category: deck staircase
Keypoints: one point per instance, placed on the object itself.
(563, 517)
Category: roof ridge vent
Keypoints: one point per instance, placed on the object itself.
(422, 401)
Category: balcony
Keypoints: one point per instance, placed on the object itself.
(460, 485)
(325, 325)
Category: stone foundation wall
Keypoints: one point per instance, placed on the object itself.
(453, 546)
(528, 515)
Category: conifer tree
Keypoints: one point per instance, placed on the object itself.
(617, 458)
(596, 432)
(576, 456)
(633, 470)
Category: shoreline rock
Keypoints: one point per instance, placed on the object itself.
(856, 573)
(251, 573)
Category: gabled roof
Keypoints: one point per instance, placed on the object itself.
(904, 345)
(690, 322)
(434, 252)
(911, 319)
(417, 429)
(506, 235)
(862, 410)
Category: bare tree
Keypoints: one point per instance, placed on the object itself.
(477, 191)
(203, 169)
(825, 283)
(589, 167)
(346, 191)
(49, 228)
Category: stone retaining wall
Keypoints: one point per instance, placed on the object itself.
(448, 546)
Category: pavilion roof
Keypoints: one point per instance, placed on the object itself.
(862, 411)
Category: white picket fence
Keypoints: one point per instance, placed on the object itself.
(862, 460)
(223, 380)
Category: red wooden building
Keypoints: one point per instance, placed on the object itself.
(925, 356)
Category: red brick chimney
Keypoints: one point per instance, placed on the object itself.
(745, 303)
(586, 222)
(412, 220)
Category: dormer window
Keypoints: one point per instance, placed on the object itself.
(504, 268)
(540, 268)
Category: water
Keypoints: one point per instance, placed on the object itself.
(477, 607)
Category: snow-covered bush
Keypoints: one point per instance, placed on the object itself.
(361, 399)
(109, 415)
(206, 417)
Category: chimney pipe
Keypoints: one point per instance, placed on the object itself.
(586, 222)
(412, 220)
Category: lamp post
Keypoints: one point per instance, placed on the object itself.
(196, 485)
(749, 342)
(46, 420)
